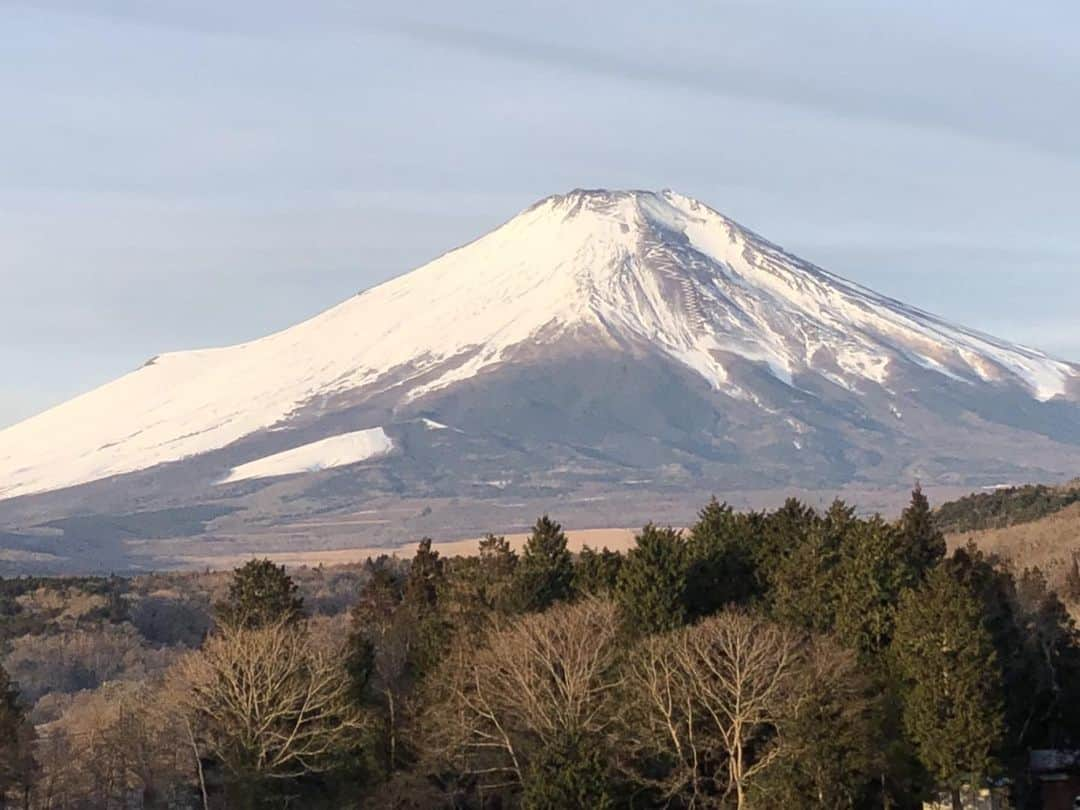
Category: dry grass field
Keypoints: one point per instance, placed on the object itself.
(1049, 543)
(613, 539)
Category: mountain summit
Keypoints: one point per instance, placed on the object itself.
(599, 337)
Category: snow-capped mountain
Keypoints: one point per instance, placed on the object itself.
(597, 336)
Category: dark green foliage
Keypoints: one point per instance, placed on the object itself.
(995, 590)
(17, 766)
(833, 740)
(871, 574)
(429, 630)
(497, 559)
(652, 585)
(721, 572)
(1044, 707)
(951, 679)
(545, 572)
(920, 538)
(497, 566)
(398, 634)
(596, 573)
(838, 573)
(804, 584)
(1004, 507)
(477, 588)
(371, 615)
(425, 577)
(778, 534)
(260, 593)
(569, 775)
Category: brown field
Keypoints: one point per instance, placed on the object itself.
(614, 539)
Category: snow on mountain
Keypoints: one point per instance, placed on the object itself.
(652, 272)
(336, 451)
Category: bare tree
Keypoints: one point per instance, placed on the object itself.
(529, 684)
(712, 700)
(110, 745)
(266, 703)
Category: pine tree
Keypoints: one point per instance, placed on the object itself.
(652, 587)
(832, 743)
(370, 621)
(497, 558)
(596, 573)
(424, 578)
(421, 608)
(1045, 702)
(871, 575)
(922, 541)
(17, 766)
(778, 534)
(545, 572)
(497, 564)
(721, 560)
(260, 593)
(804, 583)
(953, 693)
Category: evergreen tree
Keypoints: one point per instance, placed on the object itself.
(570, 775)
(922, 541)
(995, 590)
(652, 587)
(430, 628)
(596, 573)
(831, 738)
(260, 593)
(17, 766)
(804, 583)
(1046, 707)
(424, 578)
(545, 572)
(478, 587)
(498, 562)
(778, 534)
(870, 577)
(952, 702)
(721, 560)
(370, 619)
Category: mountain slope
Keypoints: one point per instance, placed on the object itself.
(597, 338)
(632, 267)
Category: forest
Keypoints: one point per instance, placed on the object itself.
(776, 659)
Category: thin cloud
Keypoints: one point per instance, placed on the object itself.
(739, 83)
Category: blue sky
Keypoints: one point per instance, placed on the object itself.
(187, 173)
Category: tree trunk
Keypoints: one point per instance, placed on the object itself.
(736, 774)
(198, 766)
(956, 803)
(392, 741)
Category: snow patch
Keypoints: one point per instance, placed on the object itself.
(336, 451)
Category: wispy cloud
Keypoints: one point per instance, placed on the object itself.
(807, 92)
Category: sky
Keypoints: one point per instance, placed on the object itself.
(188, 173)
